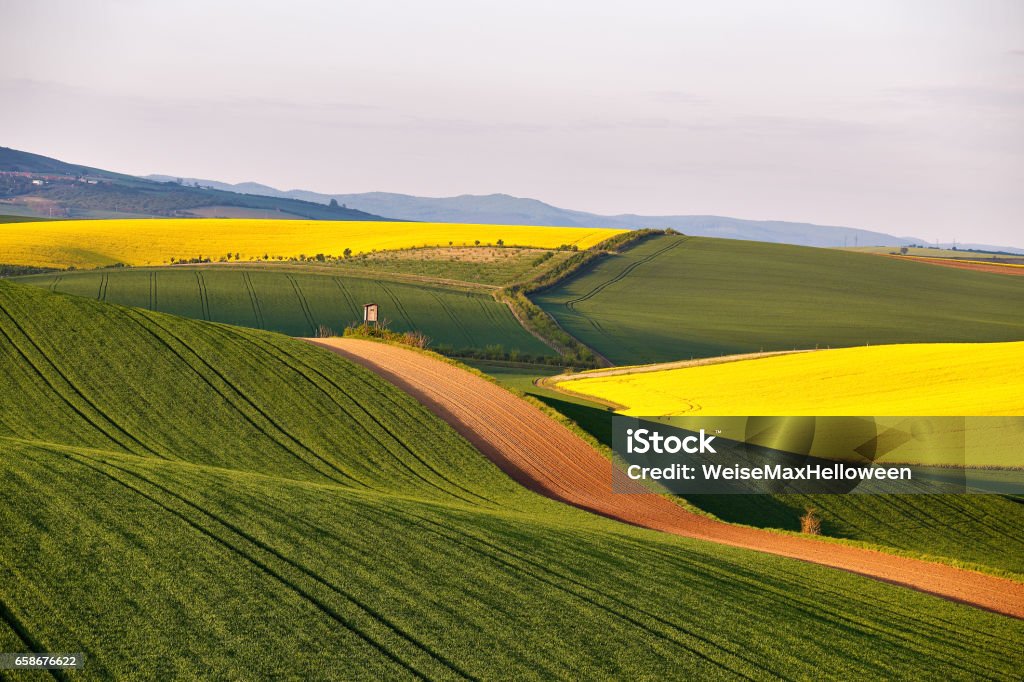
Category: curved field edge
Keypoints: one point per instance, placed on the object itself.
(206, 546)
(551, 460)
(976, 532)
(710, 297)
(931, 379)
(96, 243)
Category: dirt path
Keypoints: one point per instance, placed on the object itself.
(999, 269)
(548, 458)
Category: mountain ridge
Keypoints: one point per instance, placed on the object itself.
(502, 208)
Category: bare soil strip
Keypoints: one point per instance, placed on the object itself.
(999, 269)
(548, 458)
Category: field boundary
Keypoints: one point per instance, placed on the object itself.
(542, 325)
(555, 463)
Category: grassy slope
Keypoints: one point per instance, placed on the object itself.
(309, 517)
(976, 529)
(296, 303)
(96, 243)
(477, 265)
(675, 297)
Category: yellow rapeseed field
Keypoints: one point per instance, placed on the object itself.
(93, 243)
(958, 379)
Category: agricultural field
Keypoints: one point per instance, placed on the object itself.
(931, 379)
(192, 555)
(673, 298)
(926, 379)
(294, 302)
(477, 265)
(97, 243)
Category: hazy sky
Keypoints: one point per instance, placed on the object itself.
(901, 116)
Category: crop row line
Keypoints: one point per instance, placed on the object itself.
(545, 574)
(346, 621)
(253, 300)
(34, 645)
(152, 290)
(204, 299)
(303, 304)
(311, 374)
(240, 400)
(398, 305)
(623, 273)
(754, 583)
(455, 319)
(63, 395)
(347, 298)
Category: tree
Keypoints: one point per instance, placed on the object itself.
(334, 203)
(347, 253)
(501, 242)
(477, 242)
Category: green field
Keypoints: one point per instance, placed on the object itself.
(672, 298)
(478, 265)
(202, 501)
(981, 530)
(296, 303)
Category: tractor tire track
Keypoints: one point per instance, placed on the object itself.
(245, 407)
(316, 377)
(264, 566)
(303, 304)
(571, 304)
(546, 457)
(204, 300)
(398, 306)
(455, 319)
(347, 297)
(99, 415)
(257, 311)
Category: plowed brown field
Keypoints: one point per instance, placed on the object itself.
(545, 456)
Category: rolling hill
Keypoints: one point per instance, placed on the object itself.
(250, 534)
(289, 300)
(673, 298)
(505, 209)
(35, 185)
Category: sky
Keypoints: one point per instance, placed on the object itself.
(895, 115)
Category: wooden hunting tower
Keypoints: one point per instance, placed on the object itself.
(370, 313)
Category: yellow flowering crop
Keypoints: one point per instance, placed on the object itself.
(93, 243)
(962, 379)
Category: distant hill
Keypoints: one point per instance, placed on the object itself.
(503, 209)
(39, 186)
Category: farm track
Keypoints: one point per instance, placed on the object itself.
(346, 295)
(548, 458)
(257, 311)
(454, 318)
(571, 304)
(303, 304)
(204, 300)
